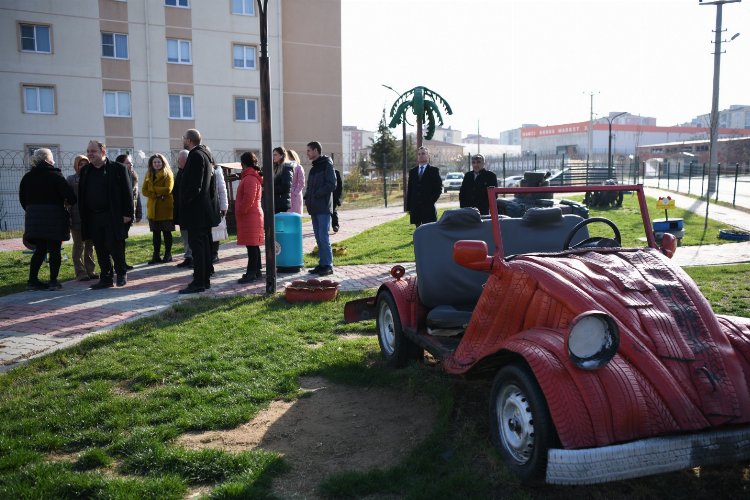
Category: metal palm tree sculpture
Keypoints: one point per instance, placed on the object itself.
(425, 104)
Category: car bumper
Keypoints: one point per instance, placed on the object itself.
(647, 456)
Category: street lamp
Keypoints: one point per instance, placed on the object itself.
(609, 146)
(403, 147)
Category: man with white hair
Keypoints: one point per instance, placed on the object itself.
(181, 160)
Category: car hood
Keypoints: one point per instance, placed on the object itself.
(668, 330)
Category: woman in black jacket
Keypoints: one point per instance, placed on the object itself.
(43, 194)
(282, 181)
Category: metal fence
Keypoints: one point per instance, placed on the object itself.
(14, 164)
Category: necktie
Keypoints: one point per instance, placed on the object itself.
(421, 171)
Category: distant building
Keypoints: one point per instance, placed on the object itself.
(628, 133)
(480, 139)
(448, 134)
(680, 155)
(354, 140)
(513, 136)
(737, 116)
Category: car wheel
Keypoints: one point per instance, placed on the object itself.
(520, 423)
(397, 349)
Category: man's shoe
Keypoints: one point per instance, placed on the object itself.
(129, 267)
(36, 285)
(325, 271)
(154, 260)
(54, 285)
(315, 270)
(167, 258)
(186, 263)
(122, 280)
(102, 283)
(245, 279)
(192, 289)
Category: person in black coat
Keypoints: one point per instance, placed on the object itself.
(105, 200)
(283, 172)
(198, 208)
(424, 188)
(43, 193)
(473, 191)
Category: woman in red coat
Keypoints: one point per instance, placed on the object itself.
(249, 215)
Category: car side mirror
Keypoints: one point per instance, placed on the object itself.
(668, 244)
(472, 254)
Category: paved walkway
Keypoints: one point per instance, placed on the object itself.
(36, 323)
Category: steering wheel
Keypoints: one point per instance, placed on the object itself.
(596, 241)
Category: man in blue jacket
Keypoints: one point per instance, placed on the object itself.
(321, 182)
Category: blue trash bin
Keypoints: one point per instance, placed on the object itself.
(288, 242)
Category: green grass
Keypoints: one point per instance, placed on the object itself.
(14, 265)
(727, 288)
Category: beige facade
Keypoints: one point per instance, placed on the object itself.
(138, 73)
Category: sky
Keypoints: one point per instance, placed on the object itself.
(504, 63)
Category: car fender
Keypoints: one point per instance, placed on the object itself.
(592, 407)
(404, 292)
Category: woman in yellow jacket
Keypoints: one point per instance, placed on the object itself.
(157, 187)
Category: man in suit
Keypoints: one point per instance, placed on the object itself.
(198, 209)
(474, 186)
(423, 190)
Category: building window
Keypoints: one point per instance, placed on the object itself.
(36, 38)
(30, 148)
(115, 45)
(245, 109)
(177, 3)
(181, 107)
(38, 99)
(116, 103)
(244, 56)
(178, 51)
(243, 7)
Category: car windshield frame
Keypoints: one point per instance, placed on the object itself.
(492, 194)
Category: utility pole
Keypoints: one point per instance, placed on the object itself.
(591, 125)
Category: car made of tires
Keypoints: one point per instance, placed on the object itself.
(607, 362)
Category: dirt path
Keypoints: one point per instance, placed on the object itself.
(332, 428)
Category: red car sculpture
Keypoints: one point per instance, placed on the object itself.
(608, 362)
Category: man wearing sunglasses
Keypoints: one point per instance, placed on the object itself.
(473, 191)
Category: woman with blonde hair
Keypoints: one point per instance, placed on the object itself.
(157, 188)
(298, 181)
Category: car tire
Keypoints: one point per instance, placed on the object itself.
(397, 349)
(521, 427)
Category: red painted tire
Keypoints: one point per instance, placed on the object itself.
(397, 349)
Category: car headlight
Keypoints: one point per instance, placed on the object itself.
(593, 340)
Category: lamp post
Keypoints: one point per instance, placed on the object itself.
(265, 128)
(403, 148)
(609, 145)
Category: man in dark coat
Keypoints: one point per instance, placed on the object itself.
(105, 200)
(198, 208)
(321, 182)
(424, 188)
(474, 186)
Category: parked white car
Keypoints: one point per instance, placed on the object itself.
(513, 181)
(453, 181)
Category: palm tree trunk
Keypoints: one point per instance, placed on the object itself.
(419, 132)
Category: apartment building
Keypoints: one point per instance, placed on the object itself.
(138, 73)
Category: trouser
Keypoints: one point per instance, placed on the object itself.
(108, 247)
(253, 261)
(83, 255)
(156, 239)
(214, 248)
(40, 251)
(184, 236)
(321, 223)
(200, 243)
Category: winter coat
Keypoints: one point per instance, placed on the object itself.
(119, 198)
(198, 206)
(321, 182)
(474, 190)
(158, 191)
(136, 196)
(247, 209)
(75, 214)
(219, 231)
(339, 191)
(282, 188)
(298, 187)
(43, 193)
